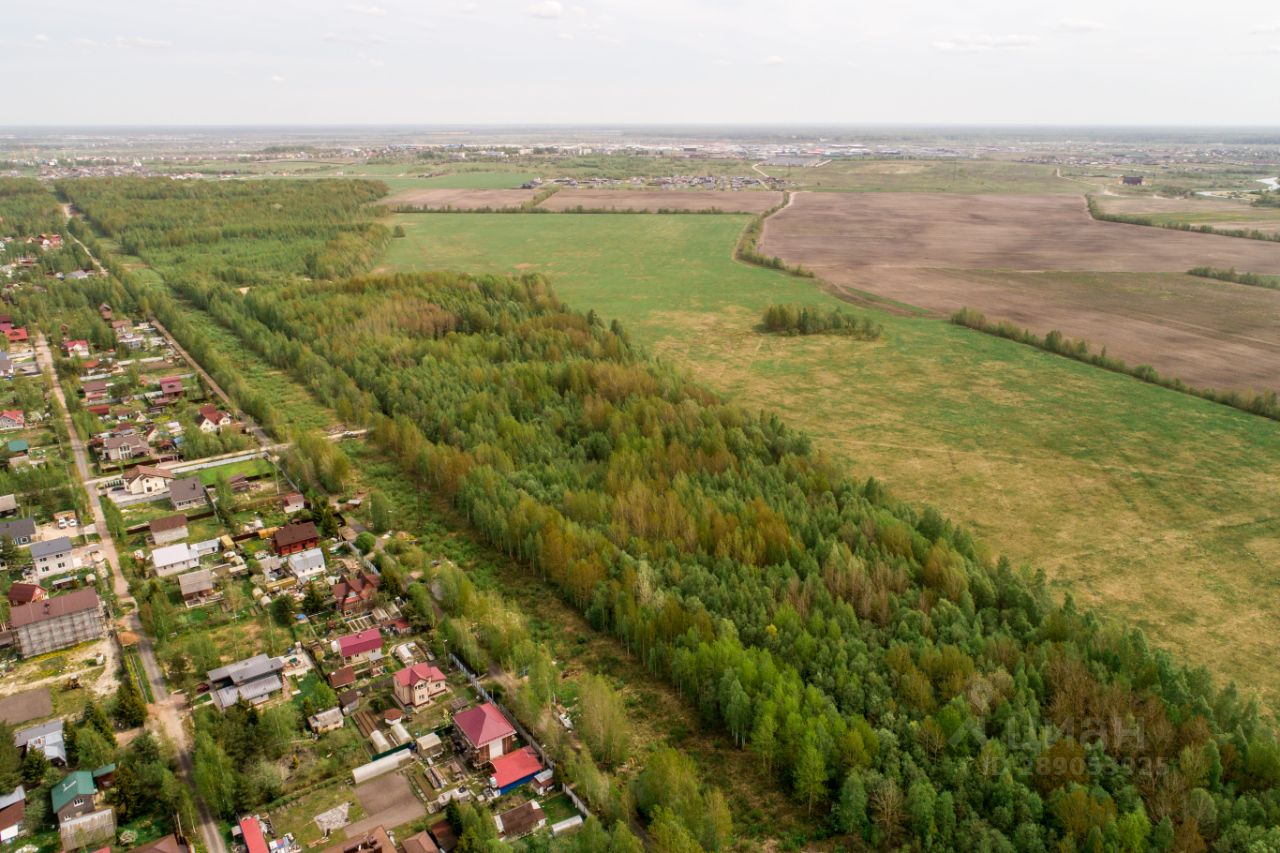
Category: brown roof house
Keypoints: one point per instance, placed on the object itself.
(187, 493)
(56, 623)
(520, 821)
(355, 592)
(298, 536)
(171, 528)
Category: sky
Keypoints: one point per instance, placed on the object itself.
(1124, 62)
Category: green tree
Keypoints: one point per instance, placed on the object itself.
(850, 812)
(92, 749)
(314, 600)
(215, 775)
(10, 760)
(282, 610)
(379, 511)
(129, 709)
(810, 774)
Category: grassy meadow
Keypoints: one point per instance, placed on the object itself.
(1152, 504)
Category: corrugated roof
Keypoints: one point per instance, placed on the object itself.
(514, 767)
(483, 724)
(360, 642)
(54, 608)
(61, 545)
(77, 784)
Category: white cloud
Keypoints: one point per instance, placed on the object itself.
(546, 9)
(565, 36)
(41, 38)
(1263, 29)
(981, 43)
(773, 60)
(276, 78)
(361, 9)
(1275, 48)
(141, 41)
(577, 10)
(345, 38)
(1080, 25)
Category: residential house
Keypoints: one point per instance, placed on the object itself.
(307, 565)
(187, 492)
(253, 680)
(360, 646)
(96, 391)
(518, 822)
(77, 794)
(105, 312)
(22, 531)
(171, 528)
(8, 505)
(147, 480)
(239, 484)
(418, 685)
(6, 366)
(121, 448)
(24, 593)
(196, 586)
(13, 808)
(19, 340)
(46, 738)
(326, 721)
(11, 419)
(173, 559)
(446, 838)
(344, 676)
(251, 833)
(348, 700)
(420, 843)
(171, 389)
(485, 732)
(56, 623)
(355, 593)
(293, 502)
(54, 557)
(17, 445)
(375, 840)
(514, 769)
(212, 419)
(75, 349)
(295, 537)
(168, 844)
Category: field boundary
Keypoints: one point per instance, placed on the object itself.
(1262, 404)
(1101, 215)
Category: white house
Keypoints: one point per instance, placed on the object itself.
(172, 559)
(53, 557)
(307, 565)
(147, 480)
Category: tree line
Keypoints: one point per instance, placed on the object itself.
(806, 320)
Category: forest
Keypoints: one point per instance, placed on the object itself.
(907, 688)
(27, 209)
(803, 320)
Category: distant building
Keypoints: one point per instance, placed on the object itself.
(212, 419)
(360, 645)
(293, 502)
(121, 448)
(520, 821)
(12, 419)
(355, 592)
(254, 680)
(1132, 180)
(326, 721)
(56, 623)
(147, 480)
(196, 586)
(171, 389)
(75, 349)
(24, 593)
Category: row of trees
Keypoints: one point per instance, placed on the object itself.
(806, 320)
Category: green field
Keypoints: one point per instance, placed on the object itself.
(927, 176)
(1155, 505)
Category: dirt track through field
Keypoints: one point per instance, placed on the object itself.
(651, 201)
(1042, 262)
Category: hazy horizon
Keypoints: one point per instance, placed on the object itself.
(718, 62)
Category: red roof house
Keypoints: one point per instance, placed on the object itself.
(360, 643)
(487, 732)
(514, 769)
(170, 388)
(253, 837)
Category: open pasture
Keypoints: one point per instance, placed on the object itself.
(1150, 504)
(651, 201)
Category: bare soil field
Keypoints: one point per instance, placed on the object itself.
(1138, 205)
(1042, 262)
(651, 201)
(459, 199)
(31, 705)
(389, 802)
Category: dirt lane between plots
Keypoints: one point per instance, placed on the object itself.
(651, 201)
(460, 199)
(1040, 261)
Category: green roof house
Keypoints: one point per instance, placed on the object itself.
(74, 795)
(18, 445)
